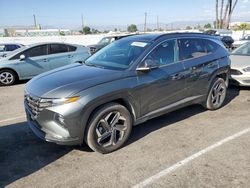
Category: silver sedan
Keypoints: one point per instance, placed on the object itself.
(240, 65)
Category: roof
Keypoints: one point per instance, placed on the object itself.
(154, 37)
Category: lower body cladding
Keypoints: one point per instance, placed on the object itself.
(52, 126)
(242, 80)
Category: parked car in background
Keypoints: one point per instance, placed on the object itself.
(7, 48)
(126, 83)
(29, 61)
(243, 40)
(104, 42)
(240, 66)
(227, 41)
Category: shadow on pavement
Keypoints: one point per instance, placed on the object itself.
(152, 125)
(22, 153)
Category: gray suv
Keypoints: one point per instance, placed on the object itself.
(126, 83)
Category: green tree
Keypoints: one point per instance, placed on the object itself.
(188, 28)
(132, 28)
(86, 30)
(207, 26)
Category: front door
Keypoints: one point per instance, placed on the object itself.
(164, 85)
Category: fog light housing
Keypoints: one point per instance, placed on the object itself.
(59, 119)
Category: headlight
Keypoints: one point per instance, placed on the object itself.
(44, 103)
(246, 69)
(235, 72)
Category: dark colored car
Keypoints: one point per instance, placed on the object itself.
(104, 42)
(227, 41)
(126, 83)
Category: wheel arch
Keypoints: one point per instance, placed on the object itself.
(91, 109)
(13, 70)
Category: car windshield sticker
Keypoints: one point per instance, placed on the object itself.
(139, 44)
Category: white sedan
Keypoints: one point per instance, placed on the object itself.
(240, 65)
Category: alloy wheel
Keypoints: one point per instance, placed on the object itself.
(218, 94)
(111, 129)
(6, 78)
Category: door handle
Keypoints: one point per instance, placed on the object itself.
(45, 60)
(70, 56)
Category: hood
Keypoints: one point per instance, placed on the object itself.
(240, 61)
(69, 80)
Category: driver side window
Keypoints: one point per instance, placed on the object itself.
(165, 53)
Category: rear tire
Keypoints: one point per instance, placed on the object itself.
(7, 77)
(109, 128)
(216, 95)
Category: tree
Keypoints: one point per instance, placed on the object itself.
(94, 31)
(132, 28)
(207, 26)
(86, 30)
(223, 22)
(188, 28)
(217, 17)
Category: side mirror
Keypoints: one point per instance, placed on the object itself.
(147, 65)
(22, 57)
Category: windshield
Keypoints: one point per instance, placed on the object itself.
(242, 50)
(14, 52)
(104, 41)
(118, 55)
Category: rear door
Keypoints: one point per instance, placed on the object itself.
(59, 55)
(193, 54)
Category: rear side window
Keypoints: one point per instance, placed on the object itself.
(191, 48)
(58, 48)
(210, 46)
(71, 48)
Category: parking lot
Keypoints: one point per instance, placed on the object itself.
(190, 147)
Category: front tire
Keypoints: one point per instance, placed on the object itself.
(7, 77)
(216, 95)
(109, 128)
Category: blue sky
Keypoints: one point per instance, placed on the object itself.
(67, 13)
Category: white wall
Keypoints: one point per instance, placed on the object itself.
(74, 39)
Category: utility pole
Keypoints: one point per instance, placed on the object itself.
(82, 22)
(157, 23)
(145, 23)
(34, 16)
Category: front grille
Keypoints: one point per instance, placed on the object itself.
(33, 104)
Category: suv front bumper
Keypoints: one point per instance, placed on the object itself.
(47, 128)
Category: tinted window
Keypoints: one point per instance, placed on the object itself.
(71, 48)
(33, 52)
(37, 51)
(164, 53)
(58, 48)
(11, 47)
(210, 46)
(191, 48)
